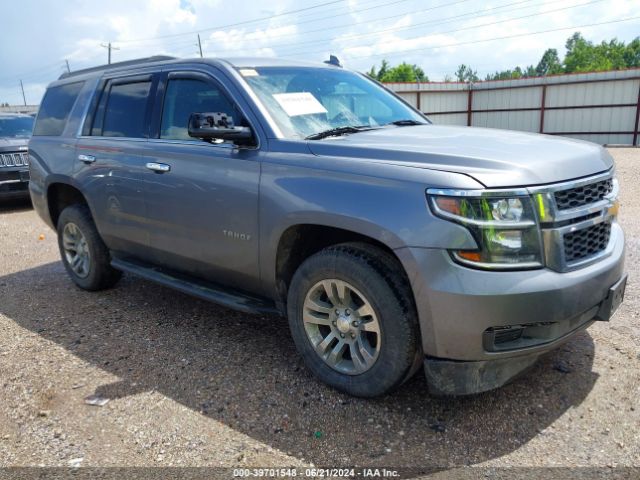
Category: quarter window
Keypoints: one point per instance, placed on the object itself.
(126, 109)
(55, 108)
(185, 96)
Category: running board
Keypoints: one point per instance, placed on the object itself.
(197, 288)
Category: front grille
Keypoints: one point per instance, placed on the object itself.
(586, 242)
(584, 195)
(17, 159)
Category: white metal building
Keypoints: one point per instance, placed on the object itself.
(602, 107)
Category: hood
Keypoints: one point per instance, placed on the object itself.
(495, 158)
(10, 144)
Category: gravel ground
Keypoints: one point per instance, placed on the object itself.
(194, 384)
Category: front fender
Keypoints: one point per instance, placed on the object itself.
(389, 208)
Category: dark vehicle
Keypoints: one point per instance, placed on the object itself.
(313, 192)
(15, 130)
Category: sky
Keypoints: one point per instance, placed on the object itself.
(38, 36)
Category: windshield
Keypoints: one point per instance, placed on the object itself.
(16, 126)
(304, 101)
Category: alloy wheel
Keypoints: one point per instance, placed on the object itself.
(76, 250)
(342, 326)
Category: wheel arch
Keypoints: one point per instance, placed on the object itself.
(299, 241)
(61, 194)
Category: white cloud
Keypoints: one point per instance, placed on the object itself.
(244, 42)
(361, 32)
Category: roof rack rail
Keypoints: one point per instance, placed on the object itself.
(155, 58)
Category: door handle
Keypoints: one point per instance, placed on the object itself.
(86, 158)
(159, 167)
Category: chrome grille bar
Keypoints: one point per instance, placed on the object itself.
(14, 159)
(562, 222)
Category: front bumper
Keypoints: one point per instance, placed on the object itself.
(462, 311)
(14, 183)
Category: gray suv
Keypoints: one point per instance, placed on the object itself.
(311, 191)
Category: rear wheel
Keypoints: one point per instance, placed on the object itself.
(351, 319)
(84, 255)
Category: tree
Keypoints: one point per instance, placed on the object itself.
(549, 63)
(464, 73)
(632, 53)
(383, 69)
(400, 73)
(583, 56)
(419, 73)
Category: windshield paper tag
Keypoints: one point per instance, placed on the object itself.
(248, 72)
(299, 103)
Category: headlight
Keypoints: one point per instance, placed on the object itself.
(503, 224)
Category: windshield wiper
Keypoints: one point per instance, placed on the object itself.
(405, 123)
(336, 132)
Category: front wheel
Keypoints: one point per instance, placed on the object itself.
(352, 320)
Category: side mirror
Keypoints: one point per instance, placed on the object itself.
(217, 126)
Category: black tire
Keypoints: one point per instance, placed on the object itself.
(101, 274)
(376, 274)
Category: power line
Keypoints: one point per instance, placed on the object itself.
(334, 27)
(159, 40)
(416, 25)
(324, 29)
(471, 27)
(50, 67)
(245, 22)
(588, 25)
(34, 71)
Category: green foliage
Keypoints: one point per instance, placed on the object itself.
(517, 72)
(400, 73)
(632, 53)
(465, 73)
(585, 56)
(549, 64)
(581, 56)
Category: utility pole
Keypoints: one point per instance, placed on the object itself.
(68, 69)
(24, 99)
(200, 45)
(109, 48)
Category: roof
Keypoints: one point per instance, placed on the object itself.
(238, 62)
(241, 62)
(117, 65)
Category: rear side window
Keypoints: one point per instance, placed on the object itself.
(55, 109)
(125, 110)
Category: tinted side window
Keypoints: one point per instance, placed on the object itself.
(187, 96)
(55, 108)
(126, 109)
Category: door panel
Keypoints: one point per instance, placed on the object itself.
(114, 189)
(203, 213)
(110, 161)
